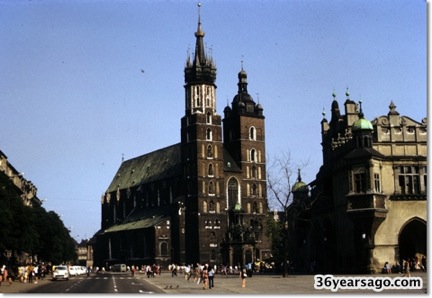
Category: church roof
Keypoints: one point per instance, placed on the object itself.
(142, 219)
(160, 164)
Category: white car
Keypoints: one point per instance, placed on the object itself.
(60, 272)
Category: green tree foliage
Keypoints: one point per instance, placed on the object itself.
(32, 230)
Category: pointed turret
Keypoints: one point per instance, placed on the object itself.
(202, 69)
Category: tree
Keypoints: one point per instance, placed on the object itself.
(281, 176)
(32, 229)
(281, 173)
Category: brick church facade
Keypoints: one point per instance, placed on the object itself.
(200, 200)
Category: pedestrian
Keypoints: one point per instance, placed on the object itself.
(243, 276)
(6, 276)
(205, 277)
(211, 278)
(406, 268)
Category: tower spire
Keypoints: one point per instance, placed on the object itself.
(201, 69)
(200, 57)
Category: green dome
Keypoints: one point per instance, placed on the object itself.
(362, 124)
(299, 186)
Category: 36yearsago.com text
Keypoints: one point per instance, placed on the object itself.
(377, 284)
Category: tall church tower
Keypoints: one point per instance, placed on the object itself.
(244, 139)
(201, 153)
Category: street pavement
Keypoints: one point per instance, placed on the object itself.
(258, 284)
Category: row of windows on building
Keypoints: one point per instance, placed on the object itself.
(253, 171)
(410, 180)
(251, 208)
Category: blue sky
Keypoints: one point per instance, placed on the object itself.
(74, 97)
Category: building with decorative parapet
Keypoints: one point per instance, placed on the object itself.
(368, 203)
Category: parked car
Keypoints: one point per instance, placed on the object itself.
(76, 270)
(60, 272)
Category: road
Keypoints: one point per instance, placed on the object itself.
(100, 283)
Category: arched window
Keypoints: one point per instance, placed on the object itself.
(209, 134)
(252, 133)
(209, 119)
(254, 189)
(211, 206)
(209, 151)
(210, 170)
(211, 188)
(163, 248)
(232, 192)
(253, 172)
(205, 207)
(253, 155)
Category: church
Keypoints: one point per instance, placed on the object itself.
(368, 203)
(201, 200)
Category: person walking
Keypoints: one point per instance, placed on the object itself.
(211, 278)
(205, 277)
(406, 268)
(243, 276)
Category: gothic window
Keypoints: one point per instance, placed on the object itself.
(207, 224)
(254, 189)
(209, 151)
(209, 119)
(252, 133)
(211, 207)
(253, 155)
(217, 207)
(248, 208)
(232, 192)
(210, 170)
(217, 224)
(204, 207)
(163, 248)
(211, 188)
(409, 180)
(254, 171)
(209, 134)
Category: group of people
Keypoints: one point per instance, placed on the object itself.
(30, 273)
(205, 274)
(408, 265)
(201, 274)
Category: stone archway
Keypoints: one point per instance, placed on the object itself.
(412, 239)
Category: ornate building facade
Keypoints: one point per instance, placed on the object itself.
(201, 200)
(368, 204)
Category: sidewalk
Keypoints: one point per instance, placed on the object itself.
(267, 284)
(21, 287)
(231, 284)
